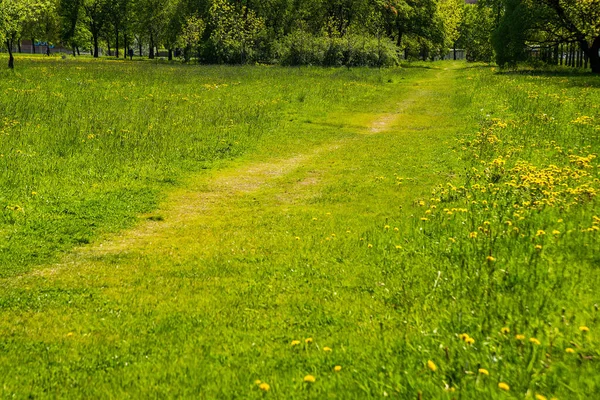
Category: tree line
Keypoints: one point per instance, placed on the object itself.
(317, 32)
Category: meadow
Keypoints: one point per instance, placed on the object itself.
(429, 231)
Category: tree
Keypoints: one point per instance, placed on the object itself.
(235, 31)
(13, 16)
(96, 16)
(450, 14)
(510, 37)
(190, 37)
(573, 21)
(152, 19)
(548, 23)
(68, 11)
(476, 31)
(118, 18)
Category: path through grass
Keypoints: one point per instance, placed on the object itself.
(288, 263)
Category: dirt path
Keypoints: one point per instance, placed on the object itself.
(207, 292)
(187, 207)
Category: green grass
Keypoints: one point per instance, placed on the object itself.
(86, 147)
(382, 214)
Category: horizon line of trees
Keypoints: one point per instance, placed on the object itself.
(318, 32)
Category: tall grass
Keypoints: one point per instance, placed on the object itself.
(87, 146)
(453, 255)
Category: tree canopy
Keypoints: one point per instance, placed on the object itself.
(326, 32)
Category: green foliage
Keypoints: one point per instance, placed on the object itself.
(190, 37)
(476, 33)
(510, 36)
(302, 48)
(235, 32)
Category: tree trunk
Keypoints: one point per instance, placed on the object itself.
(11, 59)
(170, 54)
(19, 45)
(562, 53)
(117, 42)
(95, 45)
(151, 50)
(77, 47)
(32, 46)
(592, 52)
(108, 47)
(73, 49)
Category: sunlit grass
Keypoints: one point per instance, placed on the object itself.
(333, 260)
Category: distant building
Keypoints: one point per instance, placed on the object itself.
(471, 1)
(27, 46)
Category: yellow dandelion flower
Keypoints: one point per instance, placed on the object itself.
(540, 233)
(538, 247)
(570, 350)
(504, 386)
(328, 349)
(469, 340)
(337, 368)
(386, 227)
(483, 371)
(584, 329)
(556, 232)
(370, 246)
(463, 336)
(534, 341)
(398, 247)
(396, 230)
(540, 397)
(431, 365)
(520, 337)
(424, 219)
(505, 330)
(308, 340)
(297, 237)
(295, 342)
(472, 235)
(309, 379)
(265, 387)
(315, 218)
(490, 259)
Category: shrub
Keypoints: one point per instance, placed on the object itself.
(303, 48)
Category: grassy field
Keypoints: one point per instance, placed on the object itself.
(245, 232)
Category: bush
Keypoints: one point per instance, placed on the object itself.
(302, 48)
